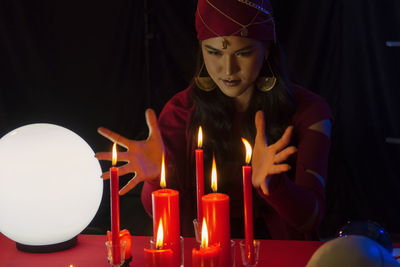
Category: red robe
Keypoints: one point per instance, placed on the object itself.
(296, 204)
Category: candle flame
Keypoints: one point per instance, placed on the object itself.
(160, 236)
(248, 150)
(204, 234)
(200, 138)
(114, 154)
(162, 181)
(214, 185)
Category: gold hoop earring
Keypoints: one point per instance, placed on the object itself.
(265, 84)
(204, 83)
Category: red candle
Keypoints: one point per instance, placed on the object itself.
(206, 256)
(248, 204)
(216, 214)
(159, 256)
(166, 208)
(199, 175)
(114, 191)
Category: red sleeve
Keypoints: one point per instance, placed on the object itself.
(301, 201)
(172, 123)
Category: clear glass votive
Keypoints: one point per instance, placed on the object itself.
(197, 230)
(119, 247)
(181, 244)
(233, 245)
(250, 258)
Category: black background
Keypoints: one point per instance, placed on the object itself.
(85, 64)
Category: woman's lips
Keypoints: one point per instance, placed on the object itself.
(231, 83)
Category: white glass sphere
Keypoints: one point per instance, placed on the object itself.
(50, 185)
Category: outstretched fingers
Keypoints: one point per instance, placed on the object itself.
(264, 188)
(279, 168)
(105, 175)
(103, 155)
(122, 170)
(284, 154)
(284, 141)
(122, 156)
(151, 120)
(130, 185)
(114, 137)
(260, 127)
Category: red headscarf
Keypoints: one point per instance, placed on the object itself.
(247, 18)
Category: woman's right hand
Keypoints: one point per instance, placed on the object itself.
(269, 160)
(143, 158)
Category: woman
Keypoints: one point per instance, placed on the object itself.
(240, 90)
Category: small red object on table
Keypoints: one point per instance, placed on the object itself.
(124, 235)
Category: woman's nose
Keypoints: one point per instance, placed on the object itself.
(230, 65)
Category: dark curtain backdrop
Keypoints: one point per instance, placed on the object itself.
(85, 64)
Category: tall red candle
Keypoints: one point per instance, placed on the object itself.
(206, 256)
(165, 203)
(114, 191)
(159, 256)
(216, 214)
(199, 175)
(248, 204)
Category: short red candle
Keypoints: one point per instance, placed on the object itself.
(248, 204)
(216, 214)
(158, 257)
(161, 256)
(114, 191)
(199, 175)
(206, 257)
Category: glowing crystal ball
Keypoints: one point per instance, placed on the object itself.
(50, 185)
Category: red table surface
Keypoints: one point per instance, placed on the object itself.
(91, 251)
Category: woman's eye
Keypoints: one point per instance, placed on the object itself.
(212, 52)
(244, 53)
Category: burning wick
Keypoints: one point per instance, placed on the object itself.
(214, 185)
(160, 236)
(204, 235)
(162, 182)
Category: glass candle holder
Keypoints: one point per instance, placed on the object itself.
(116, 247)
(181, 240)
(197, 230)
(247, 258)
(233, 246)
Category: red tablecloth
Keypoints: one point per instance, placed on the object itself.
(91, 251)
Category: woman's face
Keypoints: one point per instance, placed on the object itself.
(236, 68)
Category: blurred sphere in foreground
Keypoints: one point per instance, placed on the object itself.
(368, 229)
(352, 251)
(50, 185)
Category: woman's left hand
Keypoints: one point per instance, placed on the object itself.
(268, 159)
